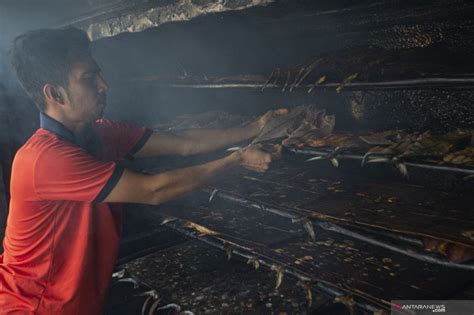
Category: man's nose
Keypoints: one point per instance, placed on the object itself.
(102, 85)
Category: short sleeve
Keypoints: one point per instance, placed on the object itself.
(121, 140)
(67, 172)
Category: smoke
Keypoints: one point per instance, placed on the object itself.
(15, 19)
(19, 16)
(212, 46)
(209, 47)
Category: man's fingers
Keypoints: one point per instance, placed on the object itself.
(260, 167)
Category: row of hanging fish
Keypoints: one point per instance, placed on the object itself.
(310, 126)
(301, 123)
(455, 148)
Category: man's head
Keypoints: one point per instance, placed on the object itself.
(57, 71)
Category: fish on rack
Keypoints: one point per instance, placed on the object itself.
(301, 122)
(419, 147)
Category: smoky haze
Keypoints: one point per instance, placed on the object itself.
(19, 16)
(213, 46)
(249, 42)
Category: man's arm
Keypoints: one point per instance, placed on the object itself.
(198, 141)
(156, 189)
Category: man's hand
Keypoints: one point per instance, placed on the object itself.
(265, 118)
(254, 158)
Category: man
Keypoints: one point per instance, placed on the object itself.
(64, 223)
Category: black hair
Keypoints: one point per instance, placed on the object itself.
(46, 56)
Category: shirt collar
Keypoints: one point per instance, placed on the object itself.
(50, 124)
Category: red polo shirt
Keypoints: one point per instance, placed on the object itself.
(61, 241)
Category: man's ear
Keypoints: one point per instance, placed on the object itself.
(54, 94)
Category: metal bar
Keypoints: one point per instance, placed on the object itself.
(426, 258)
(316, 152)
(332, 227)
(395, 84)
(253, 204)
(403, 238)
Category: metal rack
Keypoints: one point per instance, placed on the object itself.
(324, 153)
(422, 83)
(400, 246)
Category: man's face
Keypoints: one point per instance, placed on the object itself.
(86, 92)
